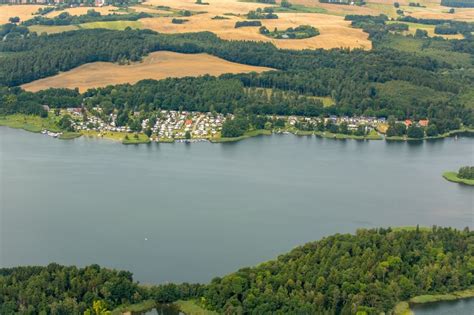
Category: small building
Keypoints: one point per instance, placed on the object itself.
(408, 122)
(423, 122)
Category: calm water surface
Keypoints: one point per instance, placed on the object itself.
(461, 307)
(177, 212)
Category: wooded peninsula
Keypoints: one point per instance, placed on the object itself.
(366, 273)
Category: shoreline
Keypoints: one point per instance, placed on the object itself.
(453, 177)
(405, 307)
(38, 125)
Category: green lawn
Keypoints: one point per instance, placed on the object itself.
(327, 100)
(118, 136)
(29, 123)
(112, 25)
(70, 135)
(373, 135)
(248, 134)
(436, 50)
(453, 177)
(469, 293)
(136, 139)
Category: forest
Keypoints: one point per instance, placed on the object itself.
(344, 273)
(56, 289)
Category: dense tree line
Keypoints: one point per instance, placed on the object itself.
(367, 272)
(91, 3)
(92, 16)
(346, 2)
(224, 95)
(247, 24)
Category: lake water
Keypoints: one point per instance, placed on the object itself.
(189, 212)
(460, 307)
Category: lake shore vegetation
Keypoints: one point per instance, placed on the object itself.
(465, 176)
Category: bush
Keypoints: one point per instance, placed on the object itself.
(466, 172)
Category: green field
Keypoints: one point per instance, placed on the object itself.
(118, 136)
(464, 294)
(453, 177)
(248, 134)
(298, 8)
(136, 139)
(70, 135)
(51, 29)
(112, 25)
(373, 135)
(436, 50)
(29, 123)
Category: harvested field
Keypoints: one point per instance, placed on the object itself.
(335, 32)
(215, 6)
(24, 12)
(158, 65)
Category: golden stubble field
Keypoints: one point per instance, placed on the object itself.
(335, 32)
(24, 12)
(158, 65)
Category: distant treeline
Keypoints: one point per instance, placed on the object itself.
(454, 27)
(379, 31)
(380, 82)
(92, 16)
(458, 3)
(365, 273)
(346, 2)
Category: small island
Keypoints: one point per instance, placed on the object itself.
(464, 176)
(300, 32)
